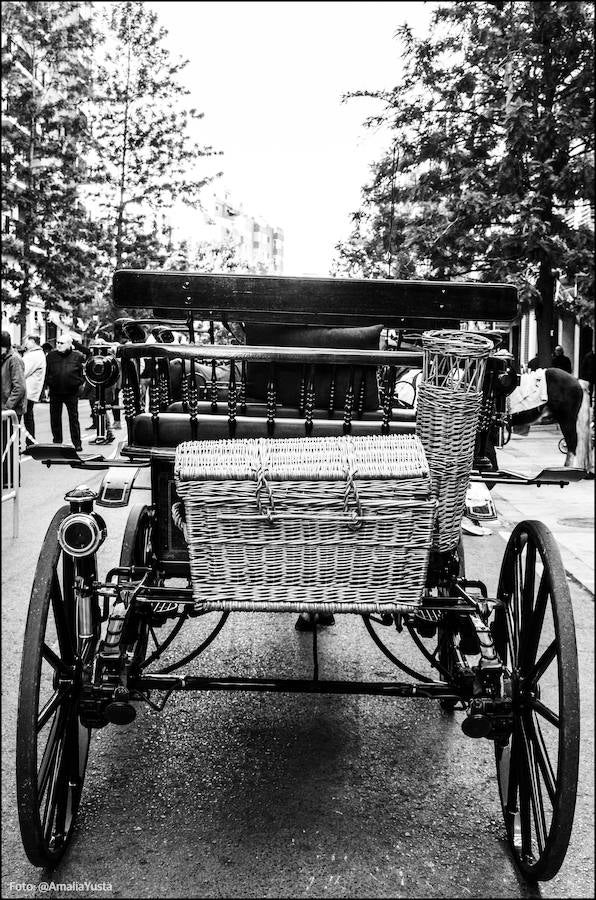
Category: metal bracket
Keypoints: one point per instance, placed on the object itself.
(116, 487)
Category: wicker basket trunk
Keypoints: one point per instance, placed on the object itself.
(447, 414)
(325, 524)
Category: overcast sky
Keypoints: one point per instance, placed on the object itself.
(269, 78)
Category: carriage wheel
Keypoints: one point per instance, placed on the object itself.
(137, 548)
(136, 551)
(445, 637)
(535, 637)
(136, 543)
(52, 744)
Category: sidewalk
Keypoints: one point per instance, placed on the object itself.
(568, 512)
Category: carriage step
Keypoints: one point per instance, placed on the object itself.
(433, 616)
(163, 607)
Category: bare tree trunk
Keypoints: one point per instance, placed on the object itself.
(546, 279)
(29, 224)
(545, 311)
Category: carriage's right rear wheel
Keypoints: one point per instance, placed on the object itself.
(537, 768)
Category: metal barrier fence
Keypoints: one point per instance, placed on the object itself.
(11, 464)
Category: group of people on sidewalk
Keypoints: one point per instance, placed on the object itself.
(24, 379)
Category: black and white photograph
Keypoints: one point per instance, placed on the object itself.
(297, 449)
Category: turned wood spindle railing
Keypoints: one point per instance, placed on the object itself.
(310, 400)
(271, 399)
(232, 399)
(388, 399)
(242, 392)
(349, 404)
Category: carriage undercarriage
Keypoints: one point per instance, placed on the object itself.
(508, 660)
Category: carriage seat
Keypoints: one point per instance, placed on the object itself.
(172, 428)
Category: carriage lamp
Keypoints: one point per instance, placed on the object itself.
(81, 533)
(101, 370)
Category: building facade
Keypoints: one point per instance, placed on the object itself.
(254, 245)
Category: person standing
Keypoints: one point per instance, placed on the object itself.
(64, 377)
(560, 361)
(14, 389)
(35, 372)
(14, 397)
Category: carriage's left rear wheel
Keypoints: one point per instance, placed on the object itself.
(52, 744)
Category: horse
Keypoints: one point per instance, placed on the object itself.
(553, 395)
(549, 395)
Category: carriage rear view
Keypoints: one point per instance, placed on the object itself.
(286, 476)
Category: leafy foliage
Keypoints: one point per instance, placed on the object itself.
(493, 144)
(49, 249)
(145, 157)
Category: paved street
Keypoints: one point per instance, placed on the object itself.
(240, 795)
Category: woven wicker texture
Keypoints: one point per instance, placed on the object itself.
(455, 359)
(449, 402)
(324, 524)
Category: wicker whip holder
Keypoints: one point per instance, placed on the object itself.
(339, 524)
(447, 415)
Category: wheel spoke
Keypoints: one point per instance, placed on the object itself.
(524, 804)
(535, 791)
(56, 778)
(527, 600)
(536, 622)
(49, 753)
(545, 712)
(541, 756)
(69, 776)
(512, 635)
(54, 660)
(52, 705)
(62, 625)
(543, 663)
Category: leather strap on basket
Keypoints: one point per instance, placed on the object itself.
(354, 515)
(263, 492)
(179, 518)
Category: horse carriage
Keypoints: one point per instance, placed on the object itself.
(284, 477)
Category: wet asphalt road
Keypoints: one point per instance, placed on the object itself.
(281, 795)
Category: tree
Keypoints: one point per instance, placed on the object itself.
(145, 155)
(493, 144)
(49, 250)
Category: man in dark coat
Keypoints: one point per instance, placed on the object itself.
(560, 361)
(64, 376)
